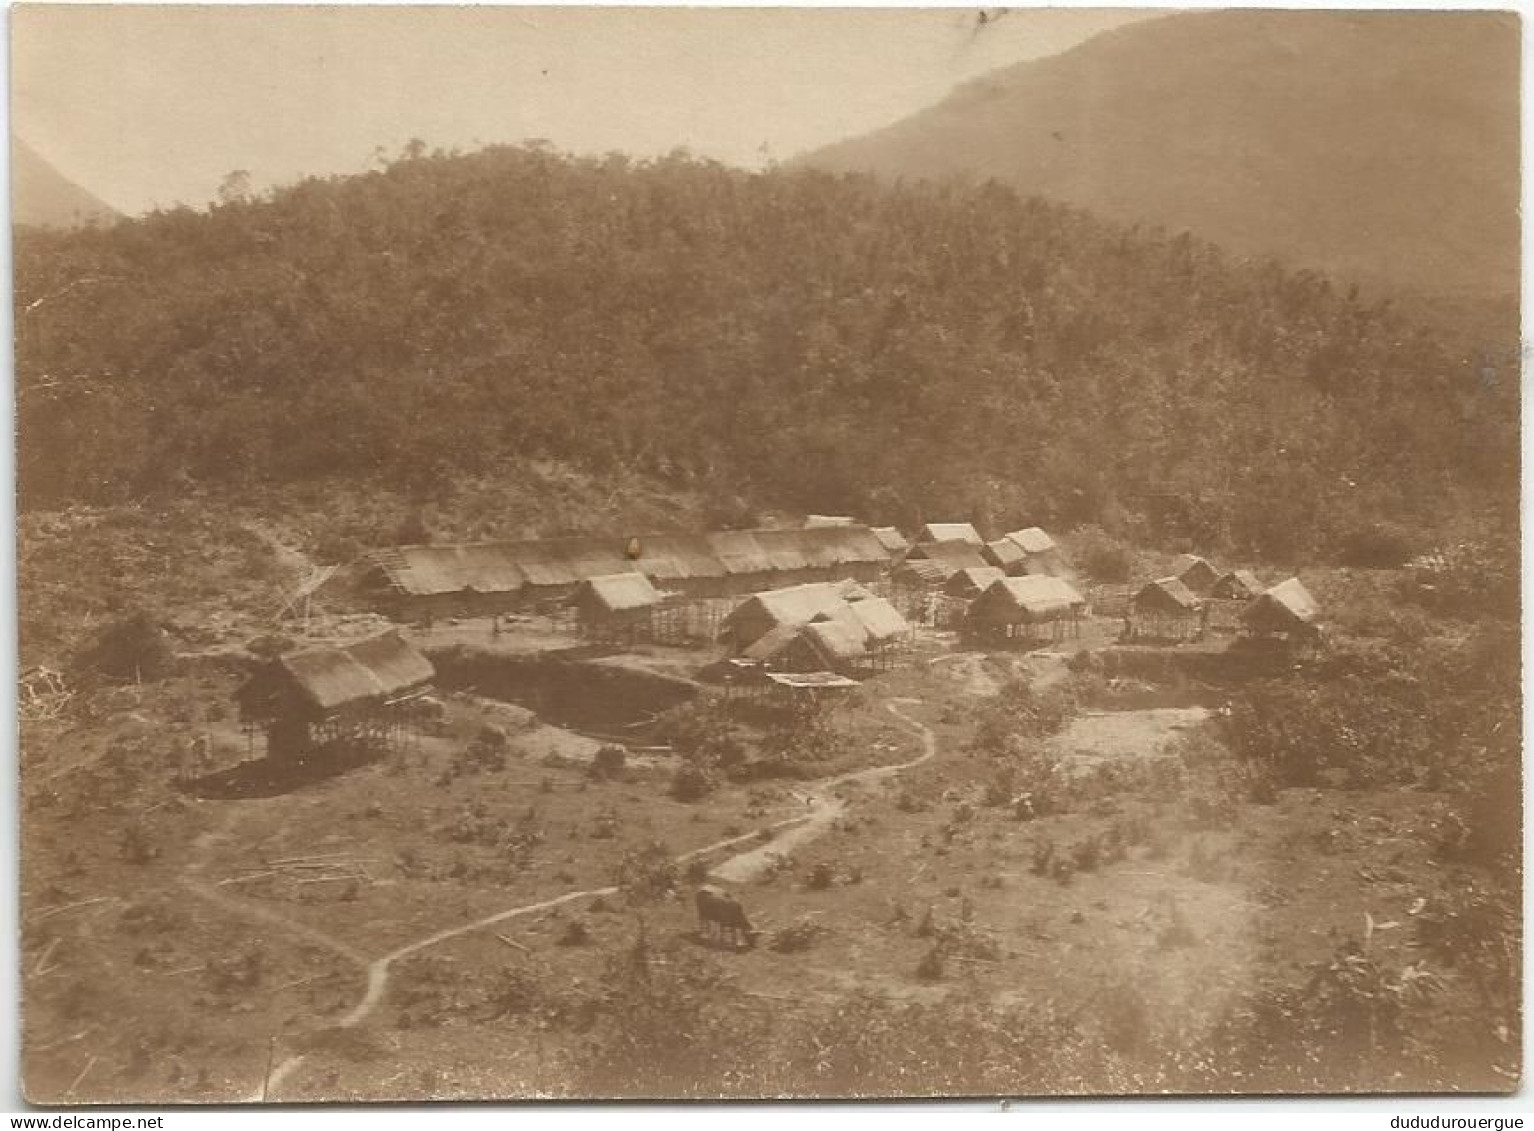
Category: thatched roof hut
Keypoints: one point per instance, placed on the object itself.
(1166, 596)
(1197, 574)
(1237, 585)
(881, 621)
(1006, 555)
(614, 594)
(359, 683)
(793, 607)
(969, 583)
(950, 532)
(1026, 600)
(1286, 608)
(952, 555)
(891, 539)
(1033, 540)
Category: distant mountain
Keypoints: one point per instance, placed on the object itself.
(44, 197)
(1380, 146)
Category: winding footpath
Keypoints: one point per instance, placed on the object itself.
(823, 810)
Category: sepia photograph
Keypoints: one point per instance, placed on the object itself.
(583, 553)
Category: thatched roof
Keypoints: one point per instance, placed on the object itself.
(506, 567)
(1032, 540)
(809, 681)
(428, 570)
(1239, 584)
(772, 644)
(950, 532)
(1197, 574)
(794, 606)
(1286, 607)
(1166, 595)
(1004, 554)
(841, 640)
(812, 521)
(677, 557)
(919, 573)
(951, 555)
(376, 669)
(973, 581)
(891, 539)
(880, 619)
(617, 593)
(1026, 600)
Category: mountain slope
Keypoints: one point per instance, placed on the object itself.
(1378, 146)
(43, 197)
(821, 343)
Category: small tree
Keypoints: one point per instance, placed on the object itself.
(133, 647)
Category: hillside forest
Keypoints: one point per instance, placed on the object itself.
(795, 339)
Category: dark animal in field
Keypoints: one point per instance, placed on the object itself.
(721, 915)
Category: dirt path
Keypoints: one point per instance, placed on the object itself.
(823, 811)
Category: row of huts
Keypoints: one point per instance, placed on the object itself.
(1180, 604)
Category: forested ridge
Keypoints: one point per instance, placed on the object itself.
(796, 338)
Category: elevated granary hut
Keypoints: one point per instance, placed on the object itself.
(1287, 610)
(1014, 607)
(970, 583)
(1166, 609)
(359, 691)
(950, 532)
(1237, 585)
(616, 606)
(1197, 574)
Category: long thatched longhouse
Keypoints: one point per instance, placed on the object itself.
(361, 691)
(482, 578)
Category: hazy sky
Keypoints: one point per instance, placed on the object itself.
(146, 106)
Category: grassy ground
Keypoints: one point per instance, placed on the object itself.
(173, 951)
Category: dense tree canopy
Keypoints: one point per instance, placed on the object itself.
(810, 340)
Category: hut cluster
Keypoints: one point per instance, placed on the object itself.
(1198, 597)
(810, 609)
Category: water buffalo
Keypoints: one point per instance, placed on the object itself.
(721, 914)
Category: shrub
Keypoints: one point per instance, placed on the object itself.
(648, 873)
(797, 936)
(609, 762)
(1375, 545)
(133, 647)
(932, 966)
(1102, 556)
(691, 783)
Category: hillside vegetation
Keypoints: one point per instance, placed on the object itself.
(1382, 146)
(812, 341)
